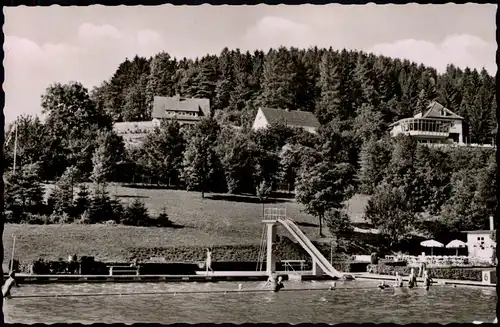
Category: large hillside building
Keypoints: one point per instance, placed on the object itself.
(185, 110)
(300, 119)
(436, 125)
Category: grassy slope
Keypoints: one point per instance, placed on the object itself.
(216, 220)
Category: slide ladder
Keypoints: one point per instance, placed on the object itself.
(320, 260)
(262, 250)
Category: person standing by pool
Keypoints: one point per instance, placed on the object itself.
(427, 280)
(208, 263)
(422, 264)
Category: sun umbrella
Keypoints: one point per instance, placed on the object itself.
(456, 244)
(431, 244)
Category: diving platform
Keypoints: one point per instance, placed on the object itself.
(277, 216)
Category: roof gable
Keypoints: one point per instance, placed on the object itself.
(436, 110)
(291, 118)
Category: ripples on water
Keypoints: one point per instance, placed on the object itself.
(364, 304)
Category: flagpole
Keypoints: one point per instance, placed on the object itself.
(12, 255)
(15, 150)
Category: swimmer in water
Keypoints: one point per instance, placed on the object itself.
(427, 280)
(9, 283)
(382, 285)
(270, 280)
(276, 284)
(398, 282)
(279, 284)
(412, 279)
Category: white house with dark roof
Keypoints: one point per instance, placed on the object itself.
(185, 110)
(436, 125)
(300, 119)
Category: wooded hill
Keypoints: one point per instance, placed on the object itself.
(332, 84)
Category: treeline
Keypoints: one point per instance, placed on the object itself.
(421, 189)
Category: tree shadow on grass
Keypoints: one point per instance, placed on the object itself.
(148, 186)
(304, 224)
(242, 198)
(363, 225)
(178, 226)
(132, 196)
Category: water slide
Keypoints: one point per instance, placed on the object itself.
(322, 262)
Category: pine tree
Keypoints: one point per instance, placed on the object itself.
(329, 105)
(225, 84)
(204, 82)
(82, 201)
(161, 79)
(278, 88)
(136, 214)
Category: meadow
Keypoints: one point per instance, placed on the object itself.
(218, 220)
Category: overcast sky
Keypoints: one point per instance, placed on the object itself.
(44, 45)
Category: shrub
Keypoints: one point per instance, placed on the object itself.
(84, 218)
(35, 219)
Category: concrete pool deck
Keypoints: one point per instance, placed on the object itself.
(368, 276)
(217, 276)
(200, 276)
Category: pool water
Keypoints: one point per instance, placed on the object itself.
(351, 302)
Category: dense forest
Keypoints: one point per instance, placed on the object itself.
(354, 95)
(333, 84)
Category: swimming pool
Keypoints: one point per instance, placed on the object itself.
(356, 301)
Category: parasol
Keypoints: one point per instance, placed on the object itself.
(456, 244)
(431, 244)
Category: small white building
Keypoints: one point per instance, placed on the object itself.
(436, 125)
(480, 244)
(292, 118)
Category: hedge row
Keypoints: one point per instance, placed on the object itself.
(284, 249)
(472, 274)
(244, 257)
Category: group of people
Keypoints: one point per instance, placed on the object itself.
(412, 280)
(275, 282)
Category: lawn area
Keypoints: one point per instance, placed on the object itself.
(217, 220)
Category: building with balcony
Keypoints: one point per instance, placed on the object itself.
(293, 118)
(436, 125)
